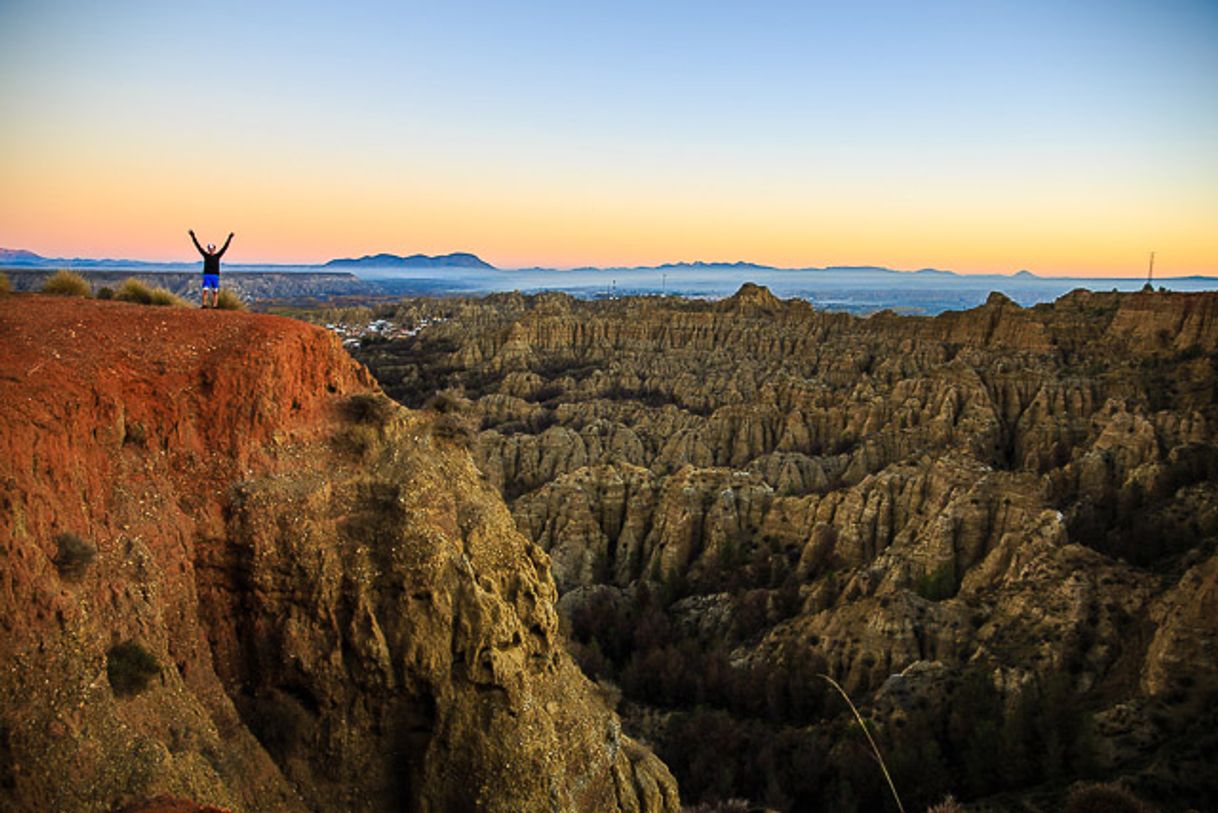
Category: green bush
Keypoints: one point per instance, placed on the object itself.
(130, 666)
(74, 555)
(939, 585)
(65, 283)
(229, 301)
(6, 287)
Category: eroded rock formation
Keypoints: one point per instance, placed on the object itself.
(1025, 492)
(232, 572)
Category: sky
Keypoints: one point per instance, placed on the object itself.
(1068, 138)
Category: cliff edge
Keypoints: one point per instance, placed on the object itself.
(232, 572)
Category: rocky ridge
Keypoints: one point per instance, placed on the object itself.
(285, 592)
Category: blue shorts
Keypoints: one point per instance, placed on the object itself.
(211, 281)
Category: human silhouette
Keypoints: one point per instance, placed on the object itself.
(211, 268)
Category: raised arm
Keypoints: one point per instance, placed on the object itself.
(195, 240)
(224, 248)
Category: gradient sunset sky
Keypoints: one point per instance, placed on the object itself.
(1061, 137)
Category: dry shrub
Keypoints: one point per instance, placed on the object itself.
(1100, 798)
(65, 283)
(454, 422)
(229, 301)
(163, 297)
(6, 287)
(133, 290)
(948, 805)
(355, 441)
(105, 292)
(130, 666)
(455, 428)
(447, 403)
(74, 555)
(368, 409)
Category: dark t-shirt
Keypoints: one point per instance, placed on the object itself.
(211, 262)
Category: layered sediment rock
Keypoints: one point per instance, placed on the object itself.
(284, 593)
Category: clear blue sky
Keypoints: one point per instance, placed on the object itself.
(1063, 137)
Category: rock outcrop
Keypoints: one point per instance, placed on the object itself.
(234, 573)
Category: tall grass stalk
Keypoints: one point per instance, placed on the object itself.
(875, 749)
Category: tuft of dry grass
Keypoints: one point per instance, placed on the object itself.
(65, 283)
(133, 290)
(6, 287)
(875, 749)
(948, 805)
(229, 301)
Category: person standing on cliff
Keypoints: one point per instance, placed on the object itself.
(211, 268)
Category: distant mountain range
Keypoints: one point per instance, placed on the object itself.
(454, 260)
(382, 266)
(20, 258)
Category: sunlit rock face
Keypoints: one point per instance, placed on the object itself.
(282, 591)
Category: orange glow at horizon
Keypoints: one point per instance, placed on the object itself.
(139, 209)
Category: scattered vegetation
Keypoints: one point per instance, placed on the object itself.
(66, 283)
(230, 301)
(368, 409)
(454, 423)
(6, 287)
(73, 556)
(105, 292)
(133, 290)
(774, 732)
(130, 666)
